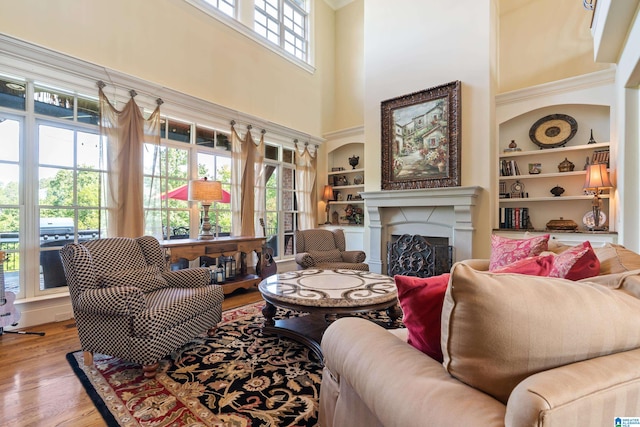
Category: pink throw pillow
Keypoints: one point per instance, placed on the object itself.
(577, 262)
(421, 300)
(505, 251)
(534, 266)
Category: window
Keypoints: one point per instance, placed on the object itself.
(280, 199)
(70, 170)
(279, 25)
(217, 167)
(10, 218)
(284, 23)
(227, 7)
(50, 181)
(167, 171)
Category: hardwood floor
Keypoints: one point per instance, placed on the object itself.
(37, 385)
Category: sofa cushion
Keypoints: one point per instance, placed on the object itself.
(498, 329)
(421, 301)
(505, 251)
(147, 278)
(616, 259)
(332, 255)
(576, 263)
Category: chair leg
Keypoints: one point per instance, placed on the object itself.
(150, 370)
(87, 356)
(212, 332)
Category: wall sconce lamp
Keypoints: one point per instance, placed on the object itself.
(597, 178)
(206, 192)
(327, 196)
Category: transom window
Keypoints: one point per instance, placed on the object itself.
(283, 22)
(227, 7)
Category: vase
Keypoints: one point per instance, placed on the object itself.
(353, 161)
(441, 167)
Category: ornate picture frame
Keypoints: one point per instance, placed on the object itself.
(421, 139)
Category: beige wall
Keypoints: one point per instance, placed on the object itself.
(417, 45)
(173, 44)
(543, 41)
(349, 72)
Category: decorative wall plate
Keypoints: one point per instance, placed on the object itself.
(553, 131)
(358, 179)
(589, 221)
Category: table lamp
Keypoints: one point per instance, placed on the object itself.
(327, 196)
(205, 192)
(597, 178)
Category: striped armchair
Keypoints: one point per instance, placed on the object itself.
(325, 249)
(128, 304)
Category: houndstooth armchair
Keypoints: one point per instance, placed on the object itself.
(325, 249)
(128, 304)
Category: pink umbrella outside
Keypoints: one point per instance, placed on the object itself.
(182, 193)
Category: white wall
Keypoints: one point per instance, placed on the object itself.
(410, 46)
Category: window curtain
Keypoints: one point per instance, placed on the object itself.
(126, 132)
(306, 188)
(247, 183)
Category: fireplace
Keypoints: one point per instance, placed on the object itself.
(437, 212)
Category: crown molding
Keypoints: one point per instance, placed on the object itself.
(19, 57)
(337, 4)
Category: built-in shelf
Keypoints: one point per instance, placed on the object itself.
(521, 200)
(545, 151)
(589, 102)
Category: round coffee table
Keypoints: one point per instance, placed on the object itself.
(324, 294)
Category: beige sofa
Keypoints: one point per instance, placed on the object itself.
(518, 351)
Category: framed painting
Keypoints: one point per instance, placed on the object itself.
(421, 139)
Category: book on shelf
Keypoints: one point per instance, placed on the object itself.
(514, 218)
(509, 168)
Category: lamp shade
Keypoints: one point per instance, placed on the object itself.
(327, 194)
(597, 176)
(205, 190)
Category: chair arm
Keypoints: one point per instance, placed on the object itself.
(353, 256)
(188, 277)
(571, 394)
(305, 259)
(112, 301)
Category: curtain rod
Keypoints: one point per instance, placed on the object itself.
(249, 127)
(132, 93)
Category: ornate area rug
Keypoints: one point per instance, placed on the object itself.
(237, 378)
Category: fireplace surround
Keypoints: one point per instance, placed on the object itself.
(439, 212)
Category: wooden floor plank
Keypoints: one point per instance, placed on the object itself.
(38, 386)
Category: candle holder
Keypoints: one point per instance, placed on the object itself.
(229, 267)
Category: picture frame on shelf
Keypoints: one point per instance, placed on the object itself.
(421, 139)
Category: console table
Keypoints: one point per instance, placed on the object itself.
(191, 249)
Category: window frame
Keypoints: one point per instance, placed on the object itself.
(244, 21)
(284, 29)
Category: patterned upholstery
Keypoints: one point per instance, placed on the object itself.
(137, 322)
(325, 249)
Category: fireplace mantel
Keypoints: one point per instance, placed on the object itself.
(436, 211)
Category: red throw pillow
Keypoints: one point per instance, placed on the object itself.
(534, 266)
(505, 251)
(577, 262)
(421, 301)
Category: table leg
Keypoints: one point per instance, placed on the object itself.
(269, 311)
(394, 312)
